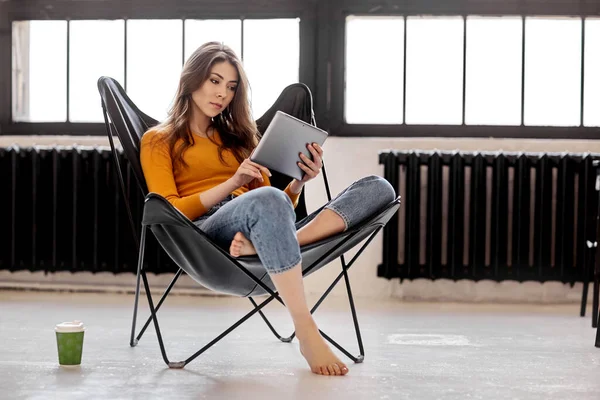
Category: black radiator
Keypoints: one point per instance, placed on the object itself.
(498, 216)
(61, 210)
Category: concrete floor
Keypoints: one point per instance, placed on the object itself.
(413, 351)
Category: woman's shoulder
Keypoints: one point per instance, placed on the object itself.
(152, 135)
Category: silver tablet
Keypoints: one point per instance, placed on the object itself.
(285, 138)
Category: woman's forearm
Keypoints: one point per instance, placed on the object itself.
(215, 195)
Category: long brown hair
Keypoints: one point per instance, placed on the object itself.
(235, 125)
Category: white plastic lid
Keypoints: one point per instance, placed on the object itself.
(74, 326)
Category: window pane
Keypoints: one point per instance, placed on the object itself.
(39, 70)
(552, 71)
(374, 70)
(493, 86)
(269, 74)
(198, 32)
(591, 101)
(154, 54)
(434, 70)
(96, 50)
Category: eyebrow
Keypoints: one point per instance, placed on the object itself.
(220, 76)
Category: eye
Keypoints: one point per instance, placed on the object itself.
(233, 88)
(216, 82)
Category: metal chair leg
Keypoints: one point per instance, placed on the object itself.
(598, 337)
(595, 302)
(584, 296)
(361, 348)
(586, 279)
(277, 335)
(133, 341)
(181, 364)
(160, 302)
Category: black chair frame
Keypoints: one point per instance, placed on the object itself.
(592, 264)
(273, 295)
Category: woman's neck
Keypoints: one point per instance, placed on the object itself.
(199, 123)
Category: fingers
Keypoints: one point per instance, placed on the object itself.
(317, 162)
(317, 155)
(310, 173)
(265, 170)
(318, 149)
(311, 167)
(308, 162)
(251, 171)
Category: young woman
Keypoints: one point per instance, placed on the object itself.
(198, 159)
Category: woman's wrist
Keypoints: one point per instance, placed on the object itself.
(296, 186)
(231, 184)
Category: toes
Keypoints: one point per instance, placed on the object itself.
(331, 370)
(324, 371)
(337, 369)
(239, 237)
(234, 250)
(343, 368)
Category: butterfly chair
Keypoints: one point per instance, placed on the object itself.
(196, 254)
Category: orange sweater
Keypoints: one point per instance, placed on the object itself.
(182, 187)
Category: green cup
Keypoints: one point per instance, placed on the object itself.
(69, 339)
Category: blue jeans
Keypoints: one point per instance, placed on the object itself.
(266, 217)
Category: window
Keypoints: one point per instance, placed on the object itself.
(198, 32)
(96, 49)
(591, 101)
(492, 75)
(374, 70)
(154, 64)
(493, 66)
(39, 71)
(434, 70)
(150, 67)
(552, 71)
(271, 59)
(402, 69)
(375, 85)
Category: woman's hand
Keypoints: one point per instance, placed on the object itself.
(311, 168)
(247, 172)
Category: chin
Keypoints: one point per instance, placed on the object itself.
(212, 113)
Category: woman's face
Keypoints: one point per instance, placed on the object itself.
(215, 94)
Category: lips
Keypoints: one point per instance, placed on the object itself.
(217, 105)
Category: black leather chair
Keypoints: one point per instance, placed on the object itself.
(196, 254)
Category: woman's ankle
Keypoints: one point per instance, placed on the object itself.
(305, 325)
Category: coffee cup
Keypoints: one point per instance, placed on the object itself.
(69, 339)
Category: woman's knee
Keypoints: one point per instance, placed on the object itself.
(381, 187)
(272, 200)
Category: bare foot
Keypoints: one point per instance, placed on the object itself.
(240, 246)
(317, 353)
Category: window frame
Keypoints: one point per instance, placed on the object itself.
(322, 52)
(70, 10)
(333, 114)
